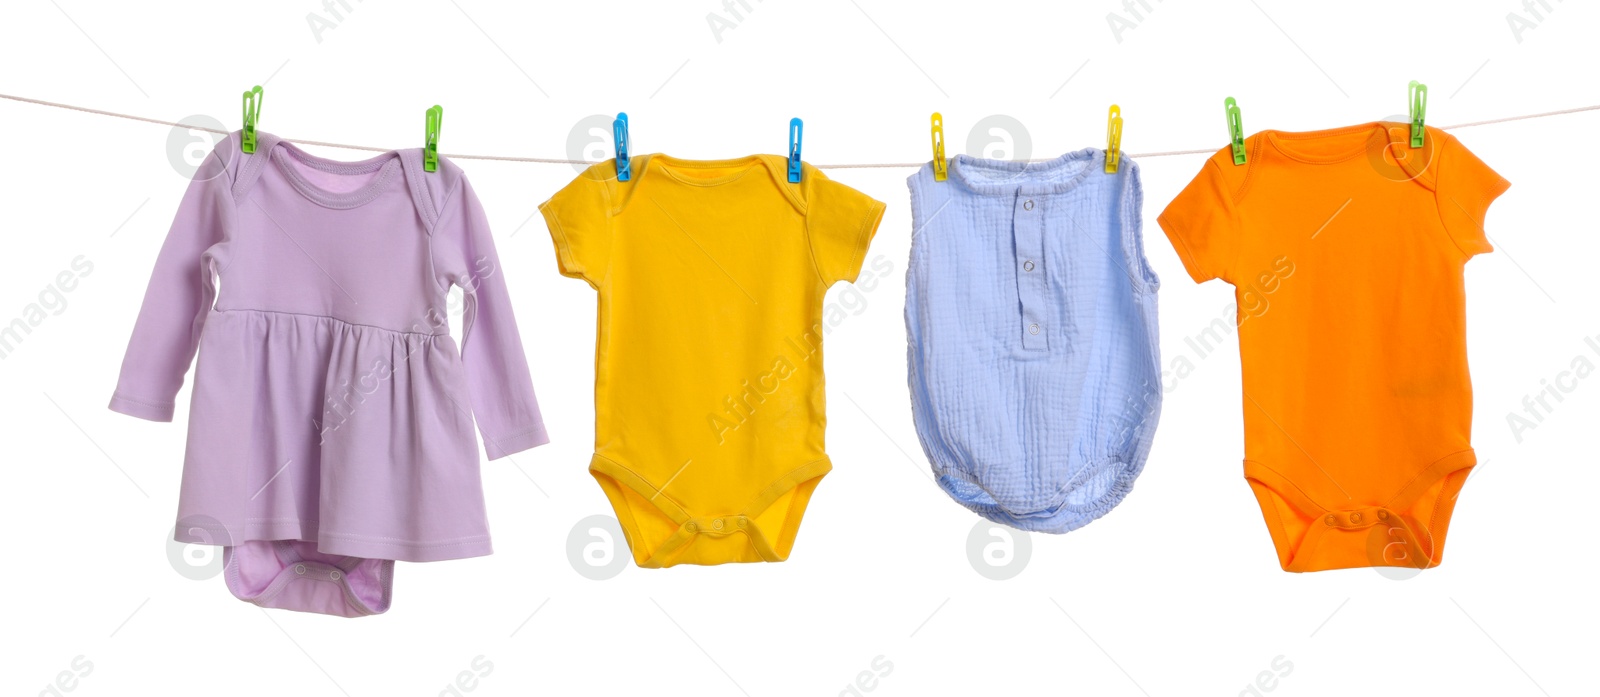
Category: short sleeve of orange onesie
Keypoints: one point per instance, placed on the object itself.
(1202, 224)
(1346, 249)
(709, 400)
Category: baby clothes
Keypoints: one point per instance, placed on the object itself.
(709, 401)
(1346, 249)
(331, 421)
(1031, 324)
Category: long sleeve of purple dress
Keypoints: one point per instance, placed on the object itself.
(491, 347)
(331, 424)
(180, 291)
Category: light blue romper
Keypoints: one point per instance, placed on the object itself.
(1031, 323)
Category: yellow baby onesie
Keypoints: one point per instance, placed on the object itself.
(709, 401)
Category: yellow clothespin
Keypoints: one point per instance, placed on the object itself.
(941, 170)
(1113, 138)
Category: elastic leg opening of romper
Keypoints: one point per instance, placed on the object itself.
(1055, 515)
(661, 533)
(293, 575)
(1408, 529)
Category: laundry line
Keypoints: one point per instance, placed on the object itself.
(556, 161)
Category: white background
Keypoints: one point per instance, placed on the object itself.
(1176, 592)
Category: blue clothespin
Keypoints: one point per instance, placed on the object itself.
(795, 127)
(619, 138)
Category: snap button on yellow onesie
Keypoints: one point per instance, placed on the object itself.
(709, 401)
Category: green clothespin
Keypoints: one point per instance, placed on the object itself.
(252, 113)
(1418, 94)
(1235, 129)
(430, 152)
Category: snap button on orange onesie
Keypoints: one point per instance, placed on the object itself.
(709, 402)
(1346, 249)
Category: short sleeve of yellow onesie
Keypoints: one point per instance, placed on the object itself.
(1346, 249)
(709, 401)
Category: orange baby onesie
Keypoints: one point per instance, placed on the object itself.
(1346, 250)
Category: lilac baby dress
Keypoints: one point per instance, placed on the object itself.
(331, 421)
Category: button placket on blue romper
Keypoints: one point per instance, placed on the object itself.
(1027, 234)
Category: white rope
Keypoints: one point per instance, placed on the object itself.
(554, 161)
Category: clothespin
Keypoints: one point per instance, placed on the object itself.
(795, 127)
(252, 114)
(430, 151)
(1235, 129)
(1113, 138)
(941, 169)
(619, 138)
(1418, 94)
